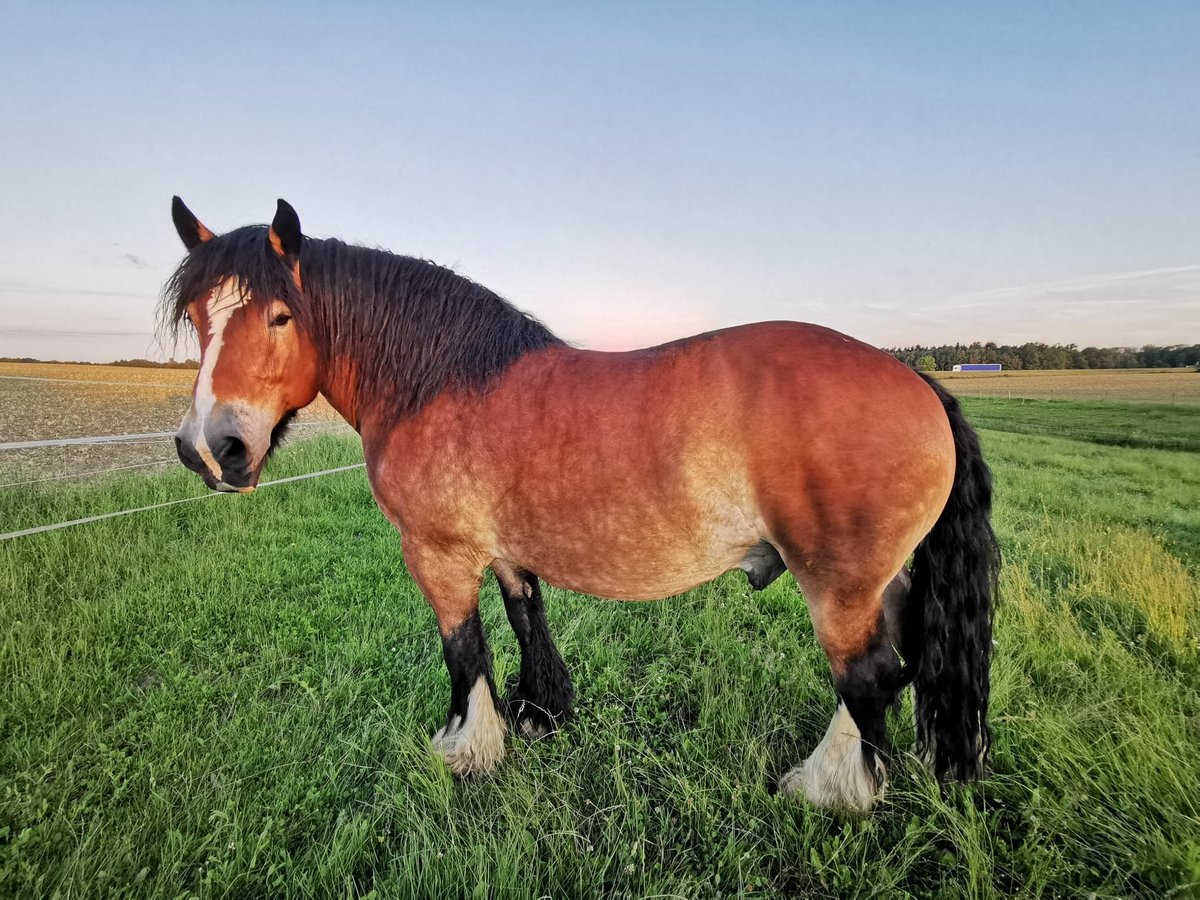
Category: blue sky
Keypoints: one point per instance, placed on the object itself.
(628, 172)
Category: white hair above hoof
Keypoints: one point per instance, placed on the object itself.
(473, 745)
(836, 775)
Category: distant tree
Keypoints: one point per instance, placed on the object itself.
(151, 364)
(1036, 355)
(927, 363)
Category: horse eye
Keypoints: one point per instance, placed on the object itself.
(280, 320)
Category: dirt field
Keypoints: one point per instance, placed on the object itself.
(1145, 385)
(46, 401)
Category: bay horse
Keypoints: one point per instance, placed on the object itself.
(489, 442)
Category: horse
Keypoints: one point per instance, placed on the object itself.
(491, 443)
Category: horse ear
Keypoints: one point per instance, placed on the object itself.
(285, 235)
(191, 230)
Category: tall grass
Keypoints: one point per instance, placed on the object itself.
(233, 697)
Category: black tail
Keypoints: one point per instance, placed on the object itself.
(949, 620)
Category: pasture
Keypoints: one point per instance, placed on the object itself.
(233, 697)
(1140, 385)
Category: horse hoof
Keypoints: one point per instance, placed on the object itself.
(857, 793)
(474, 745)
(836, 776)
(532, 719)
(534, 730)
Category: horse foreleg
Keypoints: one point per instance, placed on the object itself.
(542, 697)
(473, 738)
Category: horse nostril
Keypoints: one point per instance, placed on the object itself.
(231, 451)
(187, 455)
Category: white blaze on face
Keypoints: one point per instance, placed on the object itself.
(226, 299)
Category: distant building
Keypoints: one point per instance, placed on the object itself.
(978, 367)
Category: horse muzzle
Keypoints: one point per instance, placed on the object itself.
(216, 452)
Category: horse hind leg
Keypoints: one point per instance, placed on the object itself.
(542, 697)
(848, 767)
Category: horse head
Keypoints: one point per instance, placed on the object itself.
(257, 368)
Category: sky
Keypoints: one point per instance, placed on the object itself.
(628, 172)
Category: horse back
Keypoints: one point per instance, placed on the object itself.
(657, 469)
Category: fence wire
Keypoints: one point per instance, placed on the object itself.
(157, 462)
(39, 529)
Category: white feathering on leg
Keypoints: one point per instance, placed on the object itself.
(475, 744)
(836, 774)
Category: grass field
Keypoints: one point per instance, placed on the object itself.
(233, 698)
(1156, 425)
(1142, 385)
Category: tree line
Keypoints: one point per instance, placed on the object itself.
(1048, 356)
(1033, 355)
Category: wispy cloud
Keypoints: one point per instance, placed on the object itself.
(1083, 284)
(18, 287)
(1129, 308)
(51, 332)
(21, 287)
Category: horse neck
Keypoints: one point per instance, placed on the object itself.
(340, 388)
(353, 385)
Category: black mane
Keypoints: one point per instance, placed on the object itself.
(409, 327)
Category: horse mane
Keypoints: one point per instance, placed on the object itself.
(408, 328)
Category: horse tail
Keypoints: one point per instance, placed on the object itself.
(949, 614)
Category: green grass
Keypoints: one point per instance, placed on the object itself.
(1156, 425)
(233, 698)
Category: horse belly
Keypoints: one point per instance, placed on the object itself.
(636, 554)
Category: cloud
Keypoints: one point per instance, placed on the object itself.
(1129, 308)
(132, 259)
(51, 332)
(22, 287)
(1101, 284)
